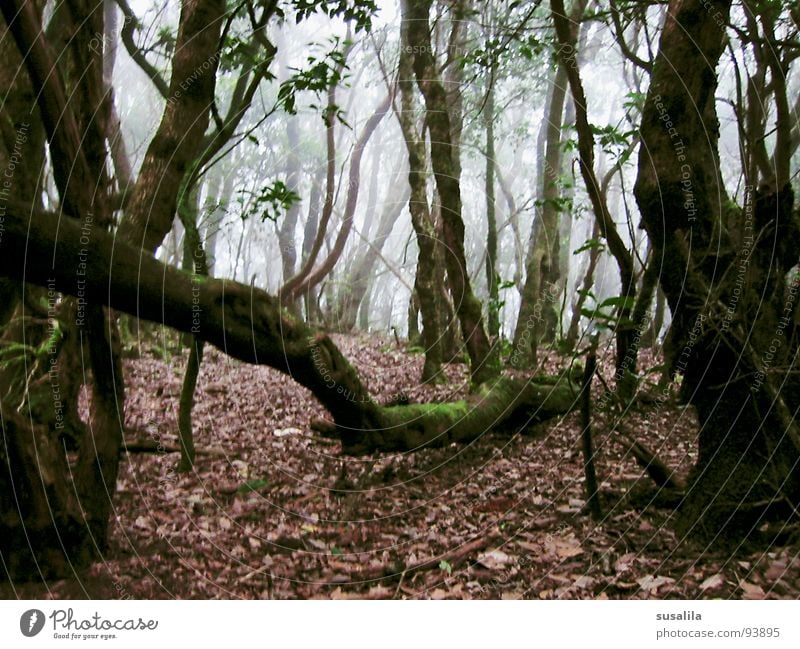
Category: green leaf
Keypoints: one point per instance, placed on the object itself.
(269, 202)
(445, 565)
(252, 485)
(588, 245)
(622, 301)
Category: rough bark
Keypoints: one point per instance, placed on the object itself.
(176, 143)
(42, 532)
(79, 166)
(424, 297)
(444, 163)
(724, 325)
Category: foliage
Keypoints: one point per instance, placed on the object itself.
(268, 203)
(606, 313)
(590, 244)
(320, 75)
(359, 12)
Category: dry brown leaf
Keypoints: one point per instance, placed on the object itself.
(713, 582)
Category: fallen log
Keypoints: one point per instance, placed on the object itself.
(250, 325)
(502, 403)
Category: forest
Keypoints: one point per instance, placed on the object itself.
(399, 299)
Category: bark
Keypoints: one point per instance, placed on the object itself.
(288, 292)
(177, 141)
(492, 276)
(537, 311)
(219, 196)
(309, 234)
(79, 169)
(116, 142)
(650, 337)
(725, 325)
(22, 154)
(196, 263)
(538, 318)
(424, 297)
(42, 533)
(626, 351)
(312, 220)
(580, 299)
(444, 161)
(287, 230)
(353, 291)
(590, 475)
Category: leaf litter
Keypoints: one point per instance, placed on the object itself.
(276, 512)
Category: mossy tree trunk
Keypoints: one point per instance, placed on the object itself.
(444, 160)
(424, 300)
(76, 125)
(732, 335)
(250, 325)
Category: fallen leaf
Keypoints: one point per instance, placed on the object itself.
(751, 591)
(714, 581)
(285, 432)
(494, 559)
(652, 584)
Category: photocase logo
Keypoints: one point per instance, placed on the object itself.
(31, 622)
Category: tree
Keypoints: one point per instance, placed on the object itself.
(446, 174)
(626, 350)
(425, 298)
(732, 336)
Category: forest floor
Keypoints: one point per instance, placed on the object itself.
(273, 511)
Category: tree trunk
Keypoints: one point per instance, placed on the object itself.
(626, 351)
(77, 134)
(493, 319)
(571, 338)
(116, 141)
(424, 297)
(537, 308)
(42, 532)
(352, 292)
(729, 336)
(288, 291)
(289, 224)
(444, 162)
(150, 212)
(313, 278)
(196, 263)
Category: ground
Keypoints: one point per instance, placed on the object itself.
(273, 510)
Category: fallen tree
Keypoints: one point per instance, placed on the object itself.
(44, 532)
(250, 325)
